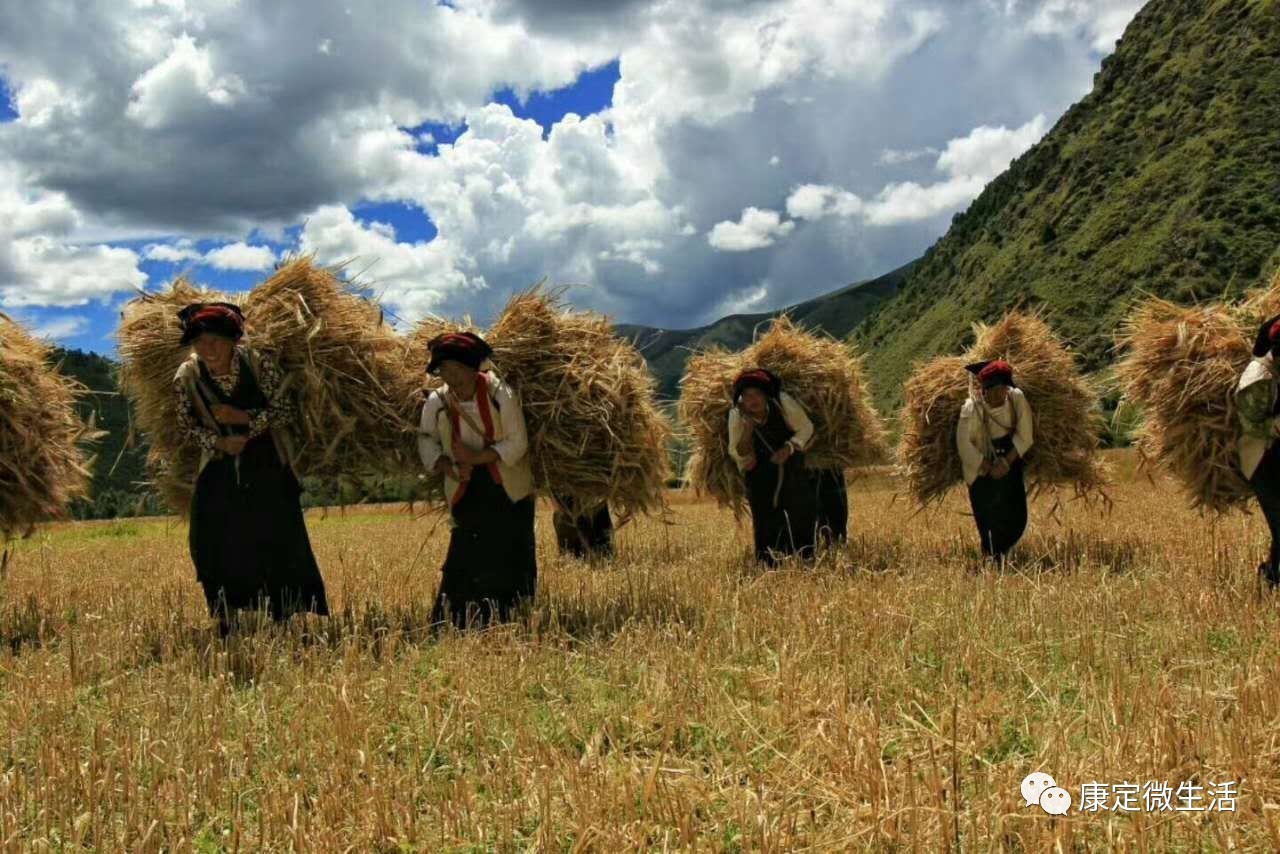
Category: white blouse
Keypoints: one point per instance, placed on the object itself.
(980, 424)
(792, 413)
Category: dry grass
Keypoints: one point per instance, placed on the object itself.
(824, 375)
(42, 464)
(595, 431)
(1181, 367)
(892, 698)
(344, 367)
(1068, 421)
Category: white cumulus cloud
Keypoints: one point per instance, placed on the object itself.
(756, 229)
(970, 163)
(240, 256)
(60, 328)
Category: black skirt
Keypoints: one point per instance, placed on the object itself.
(832, 499)
(787, 527)
(1000, 506)
(1266, 486)
(492, 564)
(586, 536)
(248, 538)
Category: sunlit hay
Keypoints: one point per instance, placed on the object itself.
(596, 433)
(343, 366)
(148, 338)
(1181, 366)
(1068, 424)
(43, 466)
(826, 378)
(893, 696)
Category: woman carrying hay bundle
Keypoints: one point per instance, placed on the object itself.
(583, 535)
(473, 434)
(768, 433)
(248, 538)
(993, 435)
(1259, 406)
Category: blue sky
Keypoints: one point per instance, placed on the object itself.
(591, 93)
(674, 164)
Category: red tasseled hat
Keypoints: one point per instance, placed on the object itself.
(993, 373)
(216, 318)
(767, 381)
(465, 347)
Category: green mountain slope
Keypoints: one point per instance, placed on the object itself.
(837, 313)
(117, 470)
(1165, 179)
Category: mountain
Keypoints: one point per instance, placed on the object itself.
(837, 313)
(117, 469)
(1164, 179)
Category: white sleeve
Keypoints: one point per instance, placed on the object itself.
(1024, 435)
(429, 448)
(798, 420)
(515, 437)
(970, 457)
(735, 436)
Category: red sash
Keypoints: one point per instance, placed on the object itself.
(486, 418)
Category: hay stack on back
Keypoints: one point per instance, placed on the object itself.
(342, 363)
(148, 338)
(595, 431)
(42, 467)
(1181, 368)
(1068, 424)
(824, 375)
(346, 368)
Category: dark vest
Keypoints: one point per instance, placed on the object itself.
(246, 395)
(772, 434)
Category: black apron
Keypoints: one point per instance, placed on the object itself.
(492, 563)
(1266, 486)
(248, 538)
(832, 499)
(1000, 506)
(583, 536)
(783, 517)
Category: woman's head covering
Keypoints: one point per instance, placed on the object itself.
(467, 348)
(767, 381)
(215, 318)
(1268, 337)
(992, 373)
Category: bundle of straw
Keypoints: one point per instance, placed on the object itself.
(595, 431)
(148, 338)
(343, 365)
(1067, 425)
(42, 467)
(356, 402)
(824, 375)
(1181, 367)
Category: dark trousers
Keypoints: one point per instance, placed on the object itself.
(492, 563)
(585, 536)
(248, 538)
(833, 505)
(1000, 511)
(1266, 486)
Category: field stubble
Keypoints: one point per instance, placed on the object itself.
(892, 698)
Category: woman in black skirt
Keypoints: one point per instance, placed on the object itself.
(832, 498)
(248, 539)
(1258, 404)
(993, 436)
(473, 434)
(768, 432)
